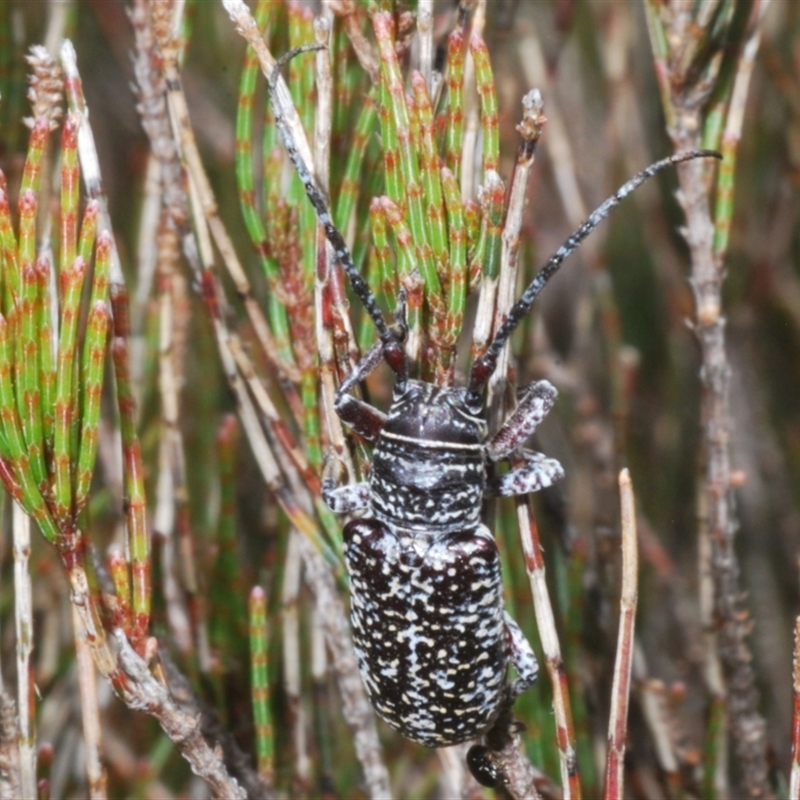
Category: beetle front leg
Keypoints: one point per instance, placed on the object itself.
(341, 498)
(533, 408)
(365, 420)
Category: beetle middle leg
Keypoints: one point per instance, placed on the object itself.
(537, 472)
(523, 658)
(481, 758)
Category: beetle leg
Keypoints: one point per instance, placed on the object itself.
(342, 499)
(365, 420)
(533, 408)
(538, 472)
(365, 367)
(522, 658)
(346, 499)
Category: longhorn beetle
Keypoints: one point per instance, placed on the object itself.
(432, 638)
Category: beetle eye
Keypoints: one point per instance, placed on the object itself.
(473, 403)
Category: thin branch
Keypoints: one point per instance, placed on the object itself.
(23, 620)
(530, 130)
(292, 669)
(794, 777)
(10, 767)
(620, 693)
(90, 712)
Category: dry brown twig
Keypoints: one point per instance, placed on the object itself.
(292, 667)
(90, 712)
(620, 693)
(686, 93)
(794, 775)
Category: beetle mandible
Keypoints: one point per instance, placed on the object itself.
(431, 635)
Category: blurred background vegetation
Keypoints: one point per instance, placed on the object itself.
(610, 332)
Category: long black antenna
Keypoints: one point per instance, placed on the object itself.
(484, 366)
(315, 195)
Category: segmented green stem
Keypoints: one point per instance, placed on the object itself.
(27, 207)
(723, 205)
(351, 182)
(245, 167)
(454, 132)
(415, 132)
(487, 92)
(430, 164)
(121, 576)
(228, 626)
(472, 222)
(311, 428)
(391, 150)
(259, 679)
(27, 342)
(32, 173)
(381, 251)
(31, 497)
(70, 186)
(71, 287)
(486, 260)
(301, 85)
(344, 86)
(245, 175)
(406, 264)
(94, 353)
(91, 215)
(380, 271)
(138, 542)
(10, 258)
(47, 362)
(411, 182)
(457, 233)
(269, 136)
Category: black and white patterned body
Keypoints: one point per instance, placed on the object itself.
(428, 628)
(429, 463)
(432, 639)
